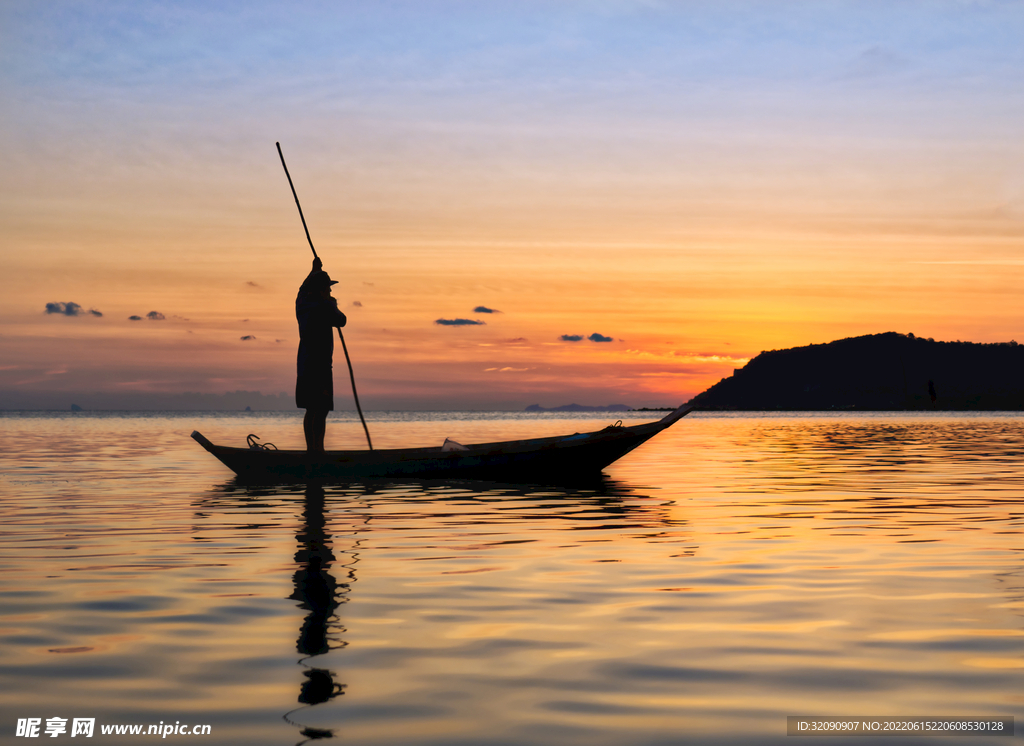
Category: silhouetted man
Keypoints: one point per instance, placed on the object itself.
(318, 315)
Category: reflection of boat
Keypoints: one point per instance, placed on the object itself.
(513, 460)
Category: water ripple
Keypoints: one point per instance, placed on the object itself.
(734, 570)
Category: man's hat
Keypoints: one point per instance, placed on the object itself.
(321, 279)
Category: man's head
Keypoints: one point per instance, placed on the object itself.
(321, 281)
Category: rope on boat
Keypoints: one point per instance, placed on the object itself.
(252, 440)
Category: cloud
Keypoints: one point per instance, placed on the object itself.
(595, 337)
(507, 370)
(981, 262)
(155, 316)
(571, 338)
(357, 304)
(135, 318)
(517, 340)
(685, 356)
(459, 322)
(876, 62)
(252, 284)
(485, 309)
(70, 309)
(247, 337)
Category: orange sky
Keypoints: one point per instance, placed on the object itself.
(698, 185)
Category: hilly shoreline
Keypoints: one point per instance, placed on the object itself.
(876, 372)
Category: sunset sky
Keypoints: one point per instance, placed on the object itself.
(688, 183)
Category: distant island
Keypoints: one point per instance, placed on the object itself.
(877, 372)
(578, 408)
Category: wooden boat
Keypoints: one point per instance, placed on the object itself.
(539, 459)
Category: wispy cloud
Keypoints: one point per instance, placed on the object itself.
(485, 309)
(459, 322)
(685, 356)
(980, 262)
(876, 62)
(247, 338)
(155, 316)
(571, 338)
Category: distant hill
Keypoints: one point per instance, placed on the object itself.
(578, 408)
(888, 371)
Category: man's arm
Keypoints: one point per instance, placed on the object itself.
(339, 319)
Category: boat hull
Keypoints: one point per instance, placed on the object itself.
(540, 459)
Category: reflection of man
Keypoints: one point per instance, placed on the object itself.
(320, 594)
(318, 315)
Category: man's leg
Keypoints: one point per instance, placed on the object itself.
(314, 426)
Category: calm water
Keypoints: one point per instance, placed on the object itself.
(731, 572)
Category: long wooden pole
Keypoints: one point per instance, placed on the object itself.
(351, 375)
(296, 195)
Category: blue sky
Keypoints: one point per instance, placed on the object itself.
(807, 170)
